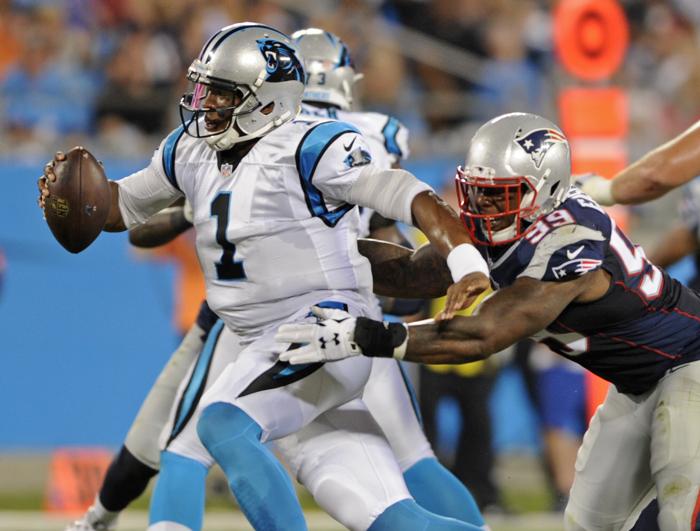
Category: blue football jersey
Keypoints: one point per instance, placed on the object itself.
(647, 322)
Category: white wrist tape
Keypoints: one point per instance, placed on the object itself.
(389, 192)
(465, 259)
(600, 190)
(400, 351)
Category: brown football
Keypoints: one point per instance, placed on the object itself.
(79, 201)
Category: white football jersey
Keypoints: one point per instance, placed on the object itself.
(274, 232)
(386, 136)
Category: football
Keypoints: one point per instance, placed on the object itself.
(79, 201)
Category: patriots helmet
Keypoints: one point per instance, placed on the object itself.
(330, 72)
(517, 169)
(247, 81)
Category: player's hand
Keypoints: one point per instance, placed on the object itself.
(596, 186)
(462, 294)
(329, 339)
(48, 176)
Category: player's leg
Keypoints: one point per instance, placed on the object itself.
(138, 460)
(345, 461)
(280, 400)
(392, 402)
(675, 448)
(178, 498)
(612, 472)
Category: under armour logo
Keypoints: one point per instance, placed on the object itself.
(335, 339)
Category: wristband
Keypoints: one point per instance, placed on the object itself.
(465, 259)
(380, 339)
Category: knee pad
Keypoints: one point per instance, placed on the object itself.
(222, 421)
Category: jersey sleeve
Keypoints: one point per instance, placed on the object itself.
(153, 188)
(395, 140)
(329, 159)
(566, 253)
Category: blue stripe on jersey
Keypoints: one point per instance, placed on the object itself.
(411, 392)
(311, 148)
(169, 155)
(390, 132)
(198, 380)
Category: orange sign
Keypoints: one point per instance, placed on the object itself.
(74, 478)
(590, 37)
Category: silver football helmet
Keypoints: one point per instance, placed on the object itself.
(330, 72)
(247, 81)
(518, 169)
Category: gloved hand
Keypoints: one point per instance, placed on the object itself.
(329, 339)
(596, 186)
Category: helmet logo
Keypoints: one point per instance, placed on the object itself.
(536, 143)
(282, 61)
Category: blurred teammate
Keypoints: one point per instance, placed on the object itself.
(330, 93)
(568, 277)
(662, 169)
(272, 202)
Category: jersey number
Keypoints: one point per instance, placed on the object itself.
(634, 262)
(226, 268)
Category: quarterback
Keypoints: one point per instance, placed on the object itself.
(273, 199)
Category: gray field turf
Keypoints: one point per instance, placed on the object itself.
(234, 521)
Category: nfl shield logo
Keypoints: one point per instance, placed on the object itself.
(226, 169)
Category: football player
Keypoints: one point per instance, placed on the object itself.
(330, 93)
(662, 169)
(272, 200)
(569, 277)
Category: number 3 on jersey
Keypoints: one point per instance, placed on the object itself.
(226, 268)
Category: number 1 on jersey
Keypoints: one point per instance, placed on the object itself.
(226, 268)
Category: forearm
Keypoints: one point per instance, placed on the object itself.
(440, 224)
(401, 272)
(512, 314)
(115, 222)
(666, 167)
(160, 229)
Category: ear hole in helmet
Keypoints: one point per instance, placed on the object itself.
(554, 188)
(267, 109)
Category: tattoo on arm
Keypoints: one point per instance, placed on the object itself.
(401, 272)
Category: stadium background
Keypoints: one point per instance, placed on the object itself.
(84, 336)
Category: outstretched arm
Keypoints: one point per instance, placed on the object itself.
(511, 314)
(659, 171)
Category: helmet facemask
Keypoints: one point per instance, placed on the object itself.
(216, 124)
(513, 201)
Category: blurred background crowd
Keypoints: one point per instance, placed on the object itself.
(109, 73)
(112, 70)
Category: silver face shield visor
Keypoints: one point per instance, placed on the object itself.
(197, 102)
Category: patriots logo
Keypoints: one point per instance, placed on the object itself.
(577, 267)
(536, 143)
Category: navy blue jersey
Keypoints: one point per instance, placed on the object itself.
(643, 326)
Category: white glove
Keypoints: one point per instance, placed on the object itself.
(329, 339)
(596, 186)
